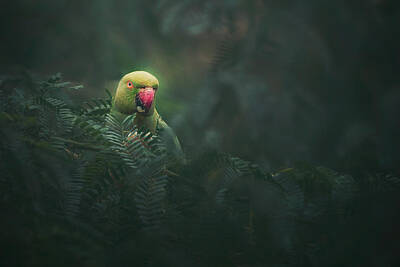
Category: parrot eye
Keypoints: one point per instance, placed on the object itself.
(129, 84)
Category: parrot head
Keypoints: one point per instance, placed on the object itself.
(136, 93)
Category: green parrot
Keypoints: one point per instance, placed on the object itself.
(136, 93)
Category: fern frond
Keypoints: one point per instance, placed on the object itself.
(149, 198)
(73, 190)
(96, 107)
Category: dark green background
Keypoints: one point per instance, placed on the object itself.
(271, 81)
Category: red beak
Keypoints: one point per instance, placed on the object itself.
(146, 96)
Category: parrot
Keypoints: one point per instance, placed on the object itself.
(135, 93)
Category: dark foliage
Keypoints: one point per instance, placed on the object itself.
(315, 81)
(273, 82)
(80, 188)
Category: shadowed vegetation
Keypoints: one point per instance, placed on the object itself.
(287, 113)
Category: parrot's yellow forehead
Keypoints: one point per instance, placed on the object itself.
(141, 79)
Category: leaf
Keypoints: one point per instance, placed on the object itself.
(76, 87)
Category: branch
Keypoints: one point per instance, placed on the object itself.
(78, 144)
